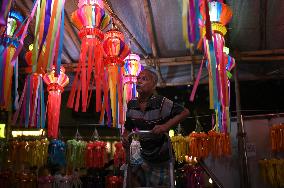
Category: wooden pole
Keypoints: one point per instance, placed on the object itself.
(241, 135)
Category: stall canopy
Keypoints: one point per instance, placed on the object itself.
(153, 29)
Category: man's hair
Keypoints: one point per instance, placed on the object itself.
(153, 74)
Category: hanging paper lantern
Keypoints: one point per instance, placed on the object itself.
(90, 19)
(116, 51)
(115, 48)
(55, 85)
(214, 16)
(132, 68)
(8, 46)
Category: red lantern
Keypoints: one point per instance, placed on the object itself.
(55, 88)
(90, 19)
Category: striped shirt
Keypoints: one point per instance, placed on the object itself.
(158, 111)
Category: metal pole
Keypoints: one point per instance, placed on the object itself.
(241, 135)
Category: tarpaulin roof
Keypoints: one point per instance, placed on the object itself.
(257, 26)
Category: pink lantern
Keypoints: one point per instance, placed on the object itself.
(55, 87)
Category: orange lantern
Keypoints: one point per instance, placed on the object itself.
(116, 51)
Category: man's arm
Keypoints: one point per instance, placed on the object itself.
(124, 138)
(158, 129)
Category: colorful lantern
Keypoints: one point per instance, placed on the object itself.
(90, 19)
(132, 68)
(55, 85)
(215, 15)
(116, 51)
(8, 46)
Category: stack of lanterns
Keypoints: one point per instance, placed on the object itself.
(9, 43)
(55, 85)
(116, 51)
(90, 19)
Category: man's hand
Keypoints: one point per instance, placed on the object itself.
(160, 129)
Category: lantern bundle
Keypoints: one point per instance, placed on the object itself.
(95, 154)
(76, 151)
(119, 156)
(56, 153)
(198, 144)
(277, 138)
(214, 143)
(180, 147)
(55, 85)
(90, 19)
(8, 46)
(272, 171)
(219, 143)
(31, 105)
(31, 152)
(116, 51)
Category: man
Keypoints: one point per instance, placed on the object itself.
(158, 114)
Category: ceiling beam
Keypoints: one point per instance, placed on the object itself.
(152, 36)
(262, 52)
(120, 24)
(261, 59)
(151, 28)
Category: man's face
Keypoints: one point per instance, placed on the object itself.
(145, 82)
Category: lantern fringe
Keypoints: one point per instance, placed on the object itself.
(119, 155)
(91, 52)
(31, 106)
(6, 75)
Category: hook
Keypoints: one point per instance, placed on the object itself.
(95, 135)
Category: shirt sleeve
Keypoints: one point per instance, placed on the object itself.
(176, 109)
(170, 109)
